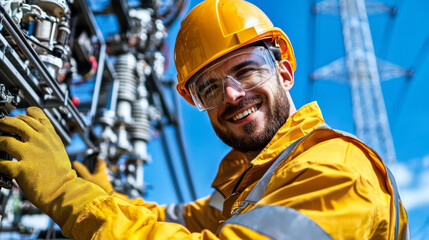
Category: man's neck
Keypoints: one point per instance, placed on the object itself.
(251, 155)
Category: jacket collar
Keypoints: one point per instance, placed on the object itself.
(305, 120)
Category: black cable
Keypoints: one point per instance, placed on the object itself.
(172, 118)
(182, 149)
(399, 104)
(401, 99)
(387, 36)
(35, 41)
(422, 54)
(170, 164)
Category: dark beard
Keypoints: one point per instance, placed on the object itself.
(276, 117)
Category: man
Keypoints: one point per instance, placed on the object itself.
(289, 176)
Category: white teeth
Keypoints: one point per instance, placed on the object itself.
(244, 114)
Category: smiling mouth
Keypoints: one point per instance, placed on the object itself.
(244, 114)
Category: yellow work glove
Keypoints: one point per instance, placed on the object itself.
(99, 176)
(43, 171)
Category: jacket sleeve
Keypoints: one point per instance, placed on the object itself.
(196, 216)
(157, 210)
(109, 217)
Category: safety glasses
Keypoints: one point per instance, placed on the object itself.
(247, 69)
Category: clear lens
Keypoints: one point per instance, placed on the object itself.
(248, 69)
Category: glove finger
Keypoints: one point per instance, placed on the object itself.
(17, 126)
(10, 168)
(30, 121)
(100, 166)
(81, 169)
(40, 116)
(12, 146)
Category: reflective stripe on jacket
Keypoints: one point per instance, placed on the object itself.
(330, 186)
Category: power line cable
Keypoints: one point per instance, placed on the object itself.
(403, 94)
(387, 33)
(421, 56)
(170, 164)
(180, 142)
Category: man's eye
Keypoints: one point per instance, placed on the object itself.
(211, 90)
(248, 72)
(245, 72)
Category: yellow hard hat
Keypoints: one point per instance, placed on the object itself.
(216, 27)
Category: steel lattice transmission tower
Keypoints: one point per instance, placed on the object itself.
(360, 62)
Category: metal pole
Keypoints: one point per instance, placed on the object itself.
(372, 125)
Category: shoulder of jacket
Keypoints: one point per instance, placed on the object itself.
(329, 147)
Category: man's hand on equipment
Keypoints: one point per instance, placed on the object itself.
(43, 164)
(43, 170)
(99, 176)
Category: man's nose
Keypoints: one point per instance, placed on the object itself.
(233, 93)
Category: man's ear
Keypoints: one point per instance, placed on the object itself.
(286, 71)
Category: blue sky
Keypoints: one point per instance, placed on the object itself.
(401, 39)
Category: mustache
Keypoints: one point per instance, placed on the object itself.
(230, 109)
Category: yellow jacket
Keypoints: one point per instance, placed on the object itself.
(330, 186)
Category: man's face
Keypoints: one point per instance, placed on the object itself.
(248, 120)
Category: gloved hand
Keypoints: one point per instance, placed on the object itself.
(43, 171)
(99, 176)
